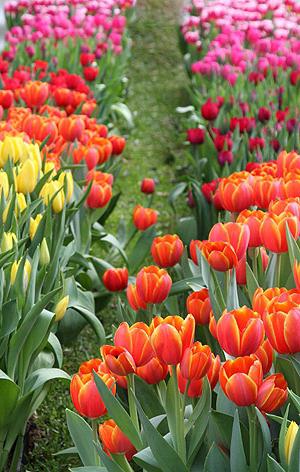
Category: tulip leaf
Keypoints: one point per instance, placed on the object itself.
(9, 393)
(184, 285)
(68, 450)
(293, 249)
(110, 465)
(118, 413)
(273, 465)
(294, 463)
(93, 321)
(252, 283)
(238, 460)
(39, 377)
(282, 435)
(266, 436)
(175, 193)
(89, 469)
(232, 302)
(82, 436)
(141, 249)
(148, 398)
(295, 399)
(110, 208)
(56, 348)
(146, 460)
(216, 460)
(165, 455)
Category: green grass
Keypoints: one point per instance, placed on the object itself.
(156, 87)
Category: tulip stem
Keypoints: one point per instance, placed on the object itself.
(253, 437)
(278, 268)
(96, 439)
(179, 412)
(131, 401)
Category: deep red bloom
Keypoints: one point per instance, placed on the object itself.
(115, 280)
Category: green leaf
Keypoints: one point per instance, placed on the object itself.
(82, 436)
(294, 464)
(232, 302)
(238, 461)
(252, 283)
(184, 285)
(141, 249)
(266, 436)
(39, 377)
(9, 394)
(282, 435)
(216, 460)
(56, 348)
(273, 466)
(89, 469)
(110, 465)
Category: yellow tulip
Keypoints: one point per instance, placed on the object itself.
(49, 166)
(27, 177)
(69, 184)
(26, 273)
(290, 439)
(35, 153)
(8, 241)
(49, 190)
(21, 203)
(13, 147)
(4, 184)
(61, 308)
(33, 225)
(44, 254)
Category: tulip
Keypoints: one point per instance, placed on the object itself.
(99, 196)
(136, 340)
(214, 370)
(26, 273)
(153, 284)
(210, 110)
(27, 177)
(118, 144)
(198, 305)
(272, 393)
(71, 128)
(296, 273)
(44, 253)
(61, 308)
(114, 440)
(84, 393)
(171, 336)
(104, 148)
(196, 135)
(115, 280)
(194, 244)
(240, 380)
(47, 193)
(236, 194)
(273, 231)
(67, 177)
(287, 162)
(236, 234)
(90, 73)
(4, 184)
(262, 298)
(265, 354)
(134, 299)
(12, 148)
(148, 186)
(167, 250)
(220, 255)
(8, 241)
(267, 189)
(34, 224)
(35, 94)
(195, 386)
(20, 203)
(282, 330)
(153, 372)
(118, 360)
(289, 205)
(264, 114)
(6, 98)
(253, 220)
(143, 218)
(196, 361)
(240, 332)
(289, 440)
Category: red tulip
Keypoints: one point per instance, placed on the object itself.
(196, 135)
(153, 372)
(118, 360)
(194, 244)
(114, 440)
(143, 218)
(115, 280)
(198, 305)
(220, 255)
(273, 231)
(282, 330)
(99, 196)
(136, 340)
(148, 185)
(167, 250)
(71, 128)
(6, 98)
(195, 385)
(236, 234)
(196, 361)
(262, 298)
(253, 220)
(265, 354)
(272, 393)
(134, 299)
(118, 144)
(210, 110)
(153, 284)
(296, 273)
(90, 73)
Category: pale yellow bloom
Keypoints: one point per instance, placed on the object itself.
(33, 225)
(61, 308)
(8, 241)
(26, 273)
(290, 439)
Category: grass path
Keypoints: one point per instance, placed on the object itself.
(156, 88)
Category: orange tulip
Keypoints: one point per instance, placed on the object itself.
(196, 361)
(265, 354)
(104, 148)
(240, 380)
(35, 93)
(171, 336)
(167, 250)
(143, 218)
(118, 360)
(272, 393)
(292, 186)
(273, 231)
(236, 234)
(136, 339)
(115, 280)
(99, 195)
(262, 298)
(83, 390)
(282, 330)
(114, 440)
(236, 194)
(71, 128)
(267, 189)
(198, 305)
(213, 371)
(253, 220)
(220, 255)
(153, 284)
(194, 244)
(134, 299)
(289, 205)
(287, 162)
(118, 144)
(195, 385)
(153, 372)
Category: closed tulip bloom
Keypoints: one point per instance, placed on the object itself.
(282, 330)
(262, 298)
(198, 305)
(35, 93)
(148, 185)
(133, 298)
(84, 393)
(272, 393)
(220, 255)
(241, 275)
(26, 273)
(196, 361)
(171, 336)
(136, 339)
(195, 386)
(44, 253)
(9, 239)
(6, 98)
(47, 193)
(214, 370)
(210, 110)
(61, 308)
(253, 220)
(71, 128)
(115, 280)
(21, 204)
(153, 284)
(240, 332)
(4, 184)
(236, 234)
(118, 144)
(273, 231)
(167, 250)
(153, 372)
(289, 440)
(143, 218)
(114, 440)
(34, 224)
(265, 354)
(240, 380)
(194, 244)
(267, 189)
(236, 194)
(118, 360)
(287, 162)
(296, 273)
(27, 177)
(195, 135)
(66, 178)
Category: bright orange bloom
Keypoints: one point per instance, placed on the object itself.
(292, 185)
(99, 196)
(220, 255)
(240, 332)
(272, 393)
(296, 273)
(143, 218)
(282, 330)
(62, 96)
(136, 339)
(153, 284)
(40, 128)
(198, 305)
(195, 385)
(196, 361)
(104, 148)
(35, 93)
(134, 299)
(100, 177)
(83, 390)
(267, 189)
(171, 336)
(114, 440)
(236, 193)
(289, 205)
(194, 244)
(120, 379)
(118, 360)
(115, 280)
(240, 380)
(236, 234)
(262, 298)
(265, 354)
(153, 372)
(253, 220)
(167, 250)
(71, 128)
(287, 162)
(118, 144)
(273, 231)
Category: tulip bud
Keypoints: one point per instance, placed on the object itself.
(67, 176)
(167, 250)
(289, 440)
(4, 184)
(33, 225)
(8, 241)
(148, 185)
(61, 308)
(49, 190)
(44, 253)
(21, 203)
(27, 177)
(26, 273)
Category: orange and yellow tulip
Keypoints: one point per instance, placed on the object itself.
(196, 361)
(136, 339)
(236, 234)
(167, 250)
(220, 255)
(153, 284)
(114, 440)
(272, 393)
(198, 305)
(273, 231)
(118, 360)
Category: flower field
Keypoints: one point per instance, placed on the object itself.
(149, 246)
